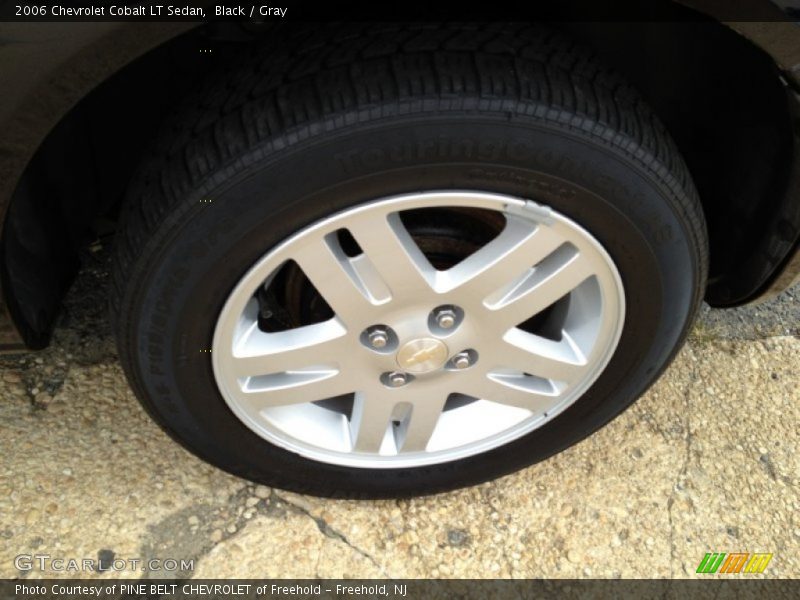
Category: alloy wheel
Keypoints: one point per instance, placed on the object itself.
(410, 363)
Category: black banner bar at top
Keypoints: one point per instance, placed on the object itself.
(380, 10)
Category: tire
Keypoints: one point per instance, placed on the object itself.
(300, 132)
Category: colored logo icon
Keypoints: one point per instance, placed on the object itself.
(741, 562)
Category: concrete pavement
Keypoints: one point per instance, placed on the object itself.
(706, 461)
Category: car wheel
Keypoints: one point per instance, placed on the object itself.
(422, 268)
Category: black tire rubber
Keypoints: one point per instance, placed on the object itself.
(316, 120)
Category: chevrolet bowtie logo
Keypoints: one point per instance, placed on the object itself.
(422, 355)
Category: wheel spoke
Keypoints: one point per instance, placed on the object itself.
(293, 387)
(552, 279)
(533, 394)
(372, 414)
(528, 353)
(421, 424)
(337, 280)
(258, 353)
(517, 249)
(394, 254)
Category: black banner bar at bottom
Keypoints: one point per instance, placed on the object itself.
(394, 589)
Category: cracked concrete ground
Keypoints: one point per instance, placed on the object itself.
(706, 461)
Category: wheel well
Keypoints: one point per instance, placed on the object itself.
(729, 110)
(719, 95)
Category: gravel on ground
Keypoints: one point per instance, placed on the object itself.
(706, 461)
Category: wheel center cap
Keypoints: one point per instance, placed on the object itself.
(422, 355)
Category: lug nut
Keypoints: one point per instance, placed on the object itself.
(446, 318)
(397, 379)
(378, 338)
(462, 360)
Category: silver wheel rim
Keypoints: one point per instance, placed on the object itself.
(434, 363)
